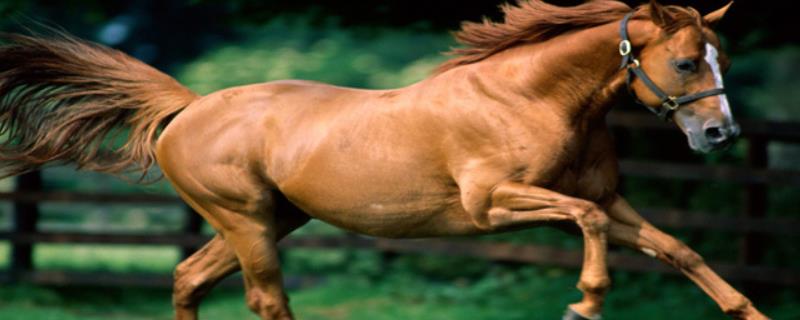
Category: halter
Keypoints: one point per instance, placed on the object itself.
(669, 104)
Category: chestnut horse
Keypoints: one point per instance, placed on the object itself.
(510, 134)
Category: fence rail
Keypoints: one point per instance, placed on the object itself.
(753, 225)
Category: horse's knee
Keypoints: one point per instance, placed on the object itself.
(590, 217)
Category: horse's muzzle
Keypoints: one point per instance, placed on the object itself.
(720, 136)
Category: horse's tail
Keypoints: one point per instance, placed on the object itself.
(69, 101)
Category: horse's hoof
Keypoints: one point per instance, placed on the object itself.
(572, 315)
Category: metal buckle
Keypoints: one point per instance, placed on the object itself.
(636, 63)
(670, 103)
(625, 47)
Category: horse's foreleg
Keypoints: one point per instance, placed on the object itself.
(630, 229)
(518, 205)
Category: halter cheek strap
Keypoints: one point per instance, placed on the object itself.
(669, 104)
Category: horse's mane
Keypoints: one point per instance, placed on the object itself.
(530, 21)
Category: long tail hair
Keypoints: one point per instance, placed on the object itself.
(64, 100)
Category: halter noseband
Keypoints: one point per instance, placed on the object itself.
(669, 104)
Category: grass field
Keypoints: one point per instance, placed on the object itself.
(407, 288)
(532, 294)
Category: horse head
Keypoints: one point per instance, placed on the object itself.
(677, 73)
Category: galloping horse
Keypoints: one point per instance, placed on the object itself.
(509, 134)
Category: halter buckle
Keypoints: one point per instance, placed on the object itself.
(624, 47)
(670, 104)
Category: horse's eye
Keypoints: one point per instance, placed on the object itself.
(685, 65)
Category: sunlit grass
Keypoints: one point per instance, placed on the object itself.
(6, 184)
(527, 293)
(356, 285)
(88, 258)
(111, 258)
(5, 254)
(68, 178)
(285, 50)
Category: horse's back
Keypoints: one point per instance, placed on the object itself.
(236, 119)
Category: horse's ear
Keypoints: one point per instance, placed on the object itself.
(659, 15)
(713, 18)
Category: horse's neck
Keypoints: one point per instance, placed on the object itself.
(577, 73)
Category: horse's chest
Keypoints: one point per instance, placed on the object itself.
(595, 184)
(583, 166)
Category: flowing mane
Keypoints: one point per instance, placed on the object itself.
(530, 21)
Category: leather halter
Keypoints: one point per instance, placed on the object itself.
(669, 104)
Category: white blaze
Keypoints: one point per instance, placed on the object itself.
(711, 58)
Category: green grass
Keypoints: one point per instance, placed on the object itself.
(355, 286)
(94, 258)
(110, 258)
(359, 285)
(528, 293)
(5, 253)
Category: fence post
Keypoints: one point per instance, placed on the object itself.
(25, 219)
(755, 206)
(193, 226)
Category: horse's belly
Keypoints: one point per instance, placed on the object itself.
(370, 208)
(390, 220)
(380, 198)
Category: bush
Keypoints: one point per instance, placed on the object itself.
(284, 50)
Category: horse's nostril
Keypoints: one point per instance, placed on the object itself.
(714, 134)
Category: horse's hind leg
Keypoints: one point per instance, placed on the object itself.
(197, 275)
(254, 242)
(630, 229)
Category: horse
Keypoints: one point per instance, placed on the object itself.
(508, 134)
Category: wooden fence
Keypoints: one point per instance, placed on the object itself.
(752, 225)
